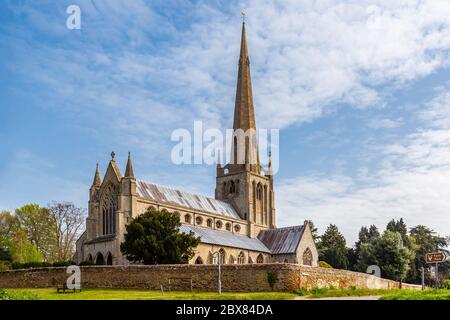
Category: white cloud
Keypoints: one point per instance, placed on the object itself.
(413, 182)
(307, 57)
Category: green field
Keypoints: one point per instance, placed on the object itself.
(120, 294)
(117, 294)
(392, 294)
(430, 294)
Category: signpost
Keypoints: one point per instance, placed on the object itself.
(436, 258)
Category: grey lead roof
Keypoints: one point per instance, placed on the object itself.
(281, 240)
(168, 195)
(225, 238)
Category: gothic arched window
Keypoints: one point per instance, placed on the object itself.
(259, 192)
(187, 218)
(232, 187)
(307, 257)
(228, 226)
(209, 223)
(260, 259)
(241, 258)
(108, 207)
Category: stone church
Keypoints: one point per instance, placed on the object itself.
(238, 225)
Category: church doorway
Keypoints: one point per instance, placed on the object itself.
(100, 260)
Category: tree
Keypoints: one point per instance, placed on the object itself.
(155, 238)
(400, 227)
(14, 241)
(22, 250)
(39, 227)
(332, 248)
(365, 236)
(387, 252)
(68, 221)
(424, 240)
(8, 226)
(314, 231)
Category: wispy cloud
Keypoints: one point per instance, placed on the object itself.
(412, 182)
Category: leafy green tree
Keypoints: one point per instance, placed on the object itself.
(8, 226)
(39, 226)
(155, 238)
(400, 227)
(424, 240)
(365, 235)
(332, 248)
(387, 252)
(22, 250)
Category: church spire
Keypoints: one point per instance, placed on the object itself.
(244, 113)
(97, 180)
(129, 170)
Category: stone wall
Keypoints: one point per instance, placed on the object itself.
(252, 277)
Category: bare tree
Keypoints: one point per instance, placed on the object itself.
(69, 221)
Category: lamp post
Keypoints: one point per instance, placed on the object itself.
(219, 277)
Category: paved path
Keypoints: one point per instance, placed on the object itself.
(341, 298)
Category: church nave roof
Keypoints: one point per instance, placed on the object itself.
(188, 200)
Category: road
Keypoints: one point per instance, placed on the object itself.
(341, 298)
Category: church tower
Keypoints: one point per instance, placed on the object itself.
(241, 182)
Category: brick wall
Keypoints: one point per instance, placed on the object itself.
(251, 277)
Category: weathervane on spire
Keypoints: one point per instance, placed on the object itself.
(243, 16)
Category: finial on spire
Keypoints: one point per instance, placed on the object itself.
(219, 160)
(243, 15)
(113, 155)
(129, 173)
(97, 180)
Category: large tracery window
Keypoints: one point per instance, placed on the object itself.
(108, 209)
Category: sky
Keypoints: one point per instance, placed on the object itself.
(360, 91)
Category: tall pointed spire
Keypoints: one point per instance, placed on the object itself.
(97, 180)
(244, 113)
(129, 170)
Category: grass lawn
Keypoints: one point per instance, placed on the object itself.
(429, 294)
(317, 293)
(121, 294)
(392, 294)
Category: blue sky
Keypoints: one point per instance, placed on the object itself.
(359, 89)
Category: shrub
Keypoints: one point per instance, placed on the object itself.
(5, 266)
(62, 263)
(5, 295)
(318, 291)
(271, 278)
(446, 284)
(324, 264)
(301, 291)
